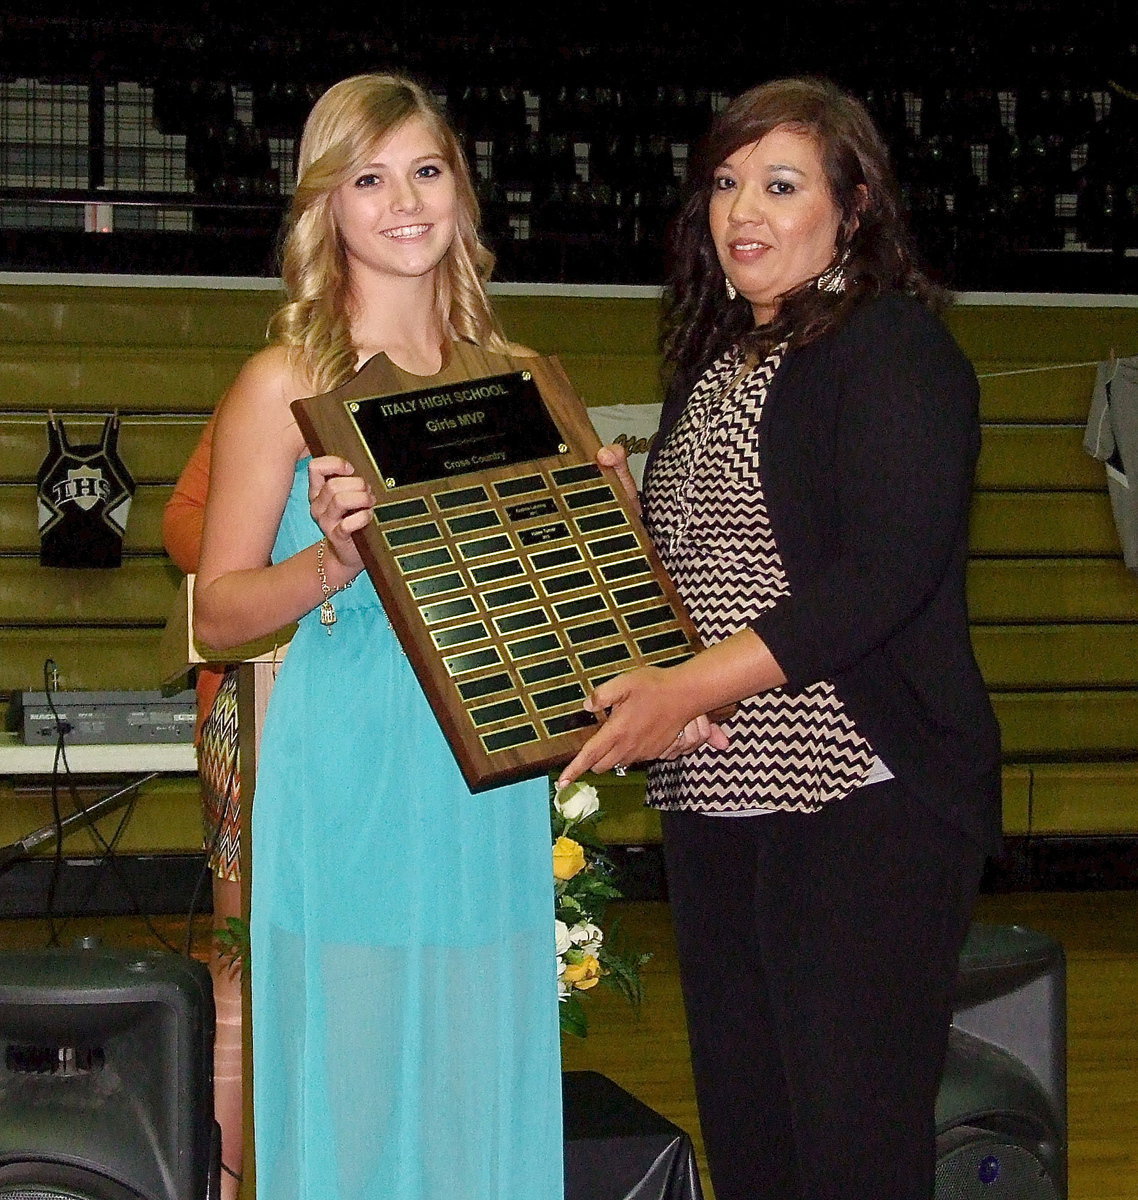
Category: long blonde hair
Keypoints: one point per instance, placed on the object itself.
(342, 131)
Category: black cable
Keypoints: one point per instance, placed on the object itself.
(206, 871)
(109, 859)
(50, 673)
(120, 829)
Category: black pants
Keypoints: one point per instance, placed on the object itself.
(818, 955)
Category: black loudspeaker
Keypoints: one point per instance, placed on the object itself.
(1002, 1108)
(106, 1088)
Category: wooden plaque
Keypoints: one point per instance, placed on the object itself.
(513, 569)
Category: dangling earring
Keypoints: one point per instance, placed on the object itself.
(833, 279)
(731, 292)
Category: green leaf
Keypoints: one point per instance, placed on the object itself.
(572, 1017)
(232, 940)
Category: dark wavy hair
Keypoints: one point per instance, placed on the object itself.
(873, 240)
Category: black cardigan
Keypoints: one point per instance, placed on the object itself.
(868, 446)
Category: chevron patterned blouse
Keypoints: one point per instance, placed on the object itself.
(708, 518)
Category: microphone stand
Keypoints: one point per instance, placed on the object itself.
(23, 848)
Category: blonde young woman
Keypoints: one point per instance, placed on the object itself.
(404, 1002)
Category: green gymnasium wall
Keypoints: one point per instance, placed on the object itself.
(1055, 614)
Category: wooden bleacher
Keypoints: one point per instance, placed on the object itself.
(1055, 613)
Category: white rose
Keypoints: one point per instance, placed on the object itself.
(586, 937)
(564, 938)
(577, 801)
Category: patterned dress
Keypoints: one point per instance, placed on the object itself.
(707, 516)
(221, 782)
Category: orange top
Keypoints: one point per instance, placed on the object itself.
(182, 521)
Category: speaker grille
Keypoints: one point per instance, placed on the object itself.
(54, 1059)
(32, 1180)
(38, 1193)
(989, 1169)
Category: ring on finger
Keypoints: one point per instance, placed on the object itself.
(620, 770)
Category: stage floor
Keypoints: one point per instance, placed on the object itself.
(646, 1052)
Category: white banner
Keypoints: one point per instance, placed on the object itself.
(632, 426)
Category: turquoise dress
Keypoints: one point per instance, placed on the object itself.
(405, 1036)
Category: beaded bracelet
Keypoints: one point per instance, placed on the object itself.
(327, 612)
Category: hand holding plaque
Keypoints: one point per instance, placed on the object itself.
(515, 571)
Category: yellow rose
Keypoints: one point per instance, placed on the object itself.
(568, 858)
(583, 975)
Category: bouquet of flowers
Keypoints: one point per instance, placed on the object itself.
(582, 887)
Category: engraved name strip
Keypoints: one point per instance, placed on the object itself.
(472, 522)
(507, 739)
(569, 693)
(477, 689)
(638, 592)
(492, 714)
(448, 610)
(444, 639)
(546, 643)
(543, 672)
(518, 594)
(565, 583)
(595, 522)
(435, 585)
(411, 534)
(622, 570)
(565, 476)
(520, 486)
(402, 510)
(558, 583)
(474, 660)
(567, 722)
(532, 509)
(593, 632)
(424, 559)
(542, 535)
(590, 496)
(482, 547)
(461, 497)
(656, 642)
(496, 572)
(649, 616)
(581, 606)
(531, 618)
(624, 543)
(605, 656)
(547, 560)
(596, 681)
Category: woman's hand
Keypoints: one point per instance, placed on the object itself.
(658, 712)
(341, 504)
(615, 458)
(644, 716)
(698, 732)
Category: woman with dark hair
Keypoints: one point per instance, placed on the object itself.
(405, 1033)
(809, 494)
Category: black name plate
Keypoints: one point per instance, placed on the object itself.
(476, 425)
